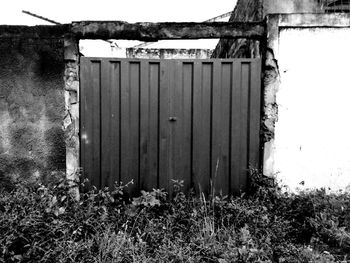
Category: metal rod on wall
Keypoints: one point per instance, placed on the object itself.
(41, 17)
(56, 23)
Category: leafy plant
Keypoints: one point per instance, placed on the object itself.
(47, 223)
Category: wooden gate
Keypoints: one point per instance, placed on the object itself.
(151, 121)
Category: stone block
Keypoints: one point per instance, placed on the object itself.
(74, 111)
(72, 85)
(67, 121)
(66, 100)
(71, 51)
(73, 97)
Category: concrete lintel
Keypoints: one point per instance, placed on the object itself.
(138, 31)
(157, 31)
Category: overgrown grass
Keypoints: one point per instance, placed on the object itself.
(46, 224)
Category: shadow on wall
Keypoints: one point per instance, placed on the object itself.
(32, 141)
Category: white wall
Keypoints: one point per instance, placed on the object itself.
(312, 136)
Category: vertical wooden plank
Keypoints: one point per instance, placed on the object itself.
(149, 125)
(115, 121)
(85, 106)
(216, 161)
(220, 129)
(110, 105)
(144, 125)
(182, 127)
(173, 69)
(163, 174)
(244, 127)
(223, 182)
(134, 162)
(124, 123)
(130, 124)
(187, 123)
(255, 108)
(96, 123)
(153, 152)
(201, 125)
(235, 128)
(105, 124)
(215, 129)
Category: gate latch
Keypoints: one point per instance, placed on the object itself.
(172, 119)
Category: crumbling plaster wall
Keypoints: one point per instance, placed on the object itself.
(32, 141)
(306, 94)
(71, 119)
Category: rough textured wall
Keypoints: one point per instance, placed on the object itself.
(245, 10)
(32, 143)
(168, 53)
(71, 95)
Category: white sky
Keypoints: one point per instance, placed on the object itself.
(66, 11)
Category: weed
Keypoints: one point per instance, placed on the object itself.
(45, 223)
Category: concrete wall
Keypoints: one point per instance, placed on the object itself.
(312, 142)
(32, 141)
(309, 146)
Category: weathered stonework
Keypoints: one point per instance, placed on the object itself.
(71, 120)
(271, 79)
